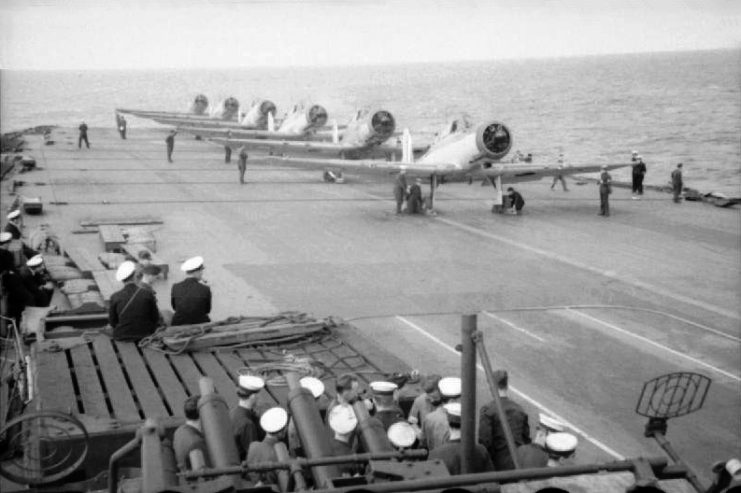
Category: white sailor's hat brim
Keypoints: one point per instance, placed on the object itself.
(401, 434)
(313, 385)
(450, 386)
(382, 387)
(251, 383)
(342, 419)
(5, 237)
(561, 443)
(125, 270)
(35, 261)
(14, 214)
(192, 264)
(274, 419)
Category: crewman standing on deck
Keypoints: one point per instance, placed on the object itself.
(132, 313)
(242, 163)
(400, 189)
(170, 141)
(387, 409)
(435, 428)
(451, 452)
(273, 422)
(605, 189)
(83, 136)
(191, 298)
(677, 183)
(639, 172)
(121, 125)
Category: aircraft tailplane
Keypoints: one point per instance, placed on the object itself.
(271, 122)
(407, 156)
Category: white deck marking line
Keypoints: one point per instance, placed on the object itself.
(510, 324)
(656, 344)
(606, 273)
(529, 399)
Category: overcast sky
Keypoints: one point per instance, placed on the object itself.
(96, 34)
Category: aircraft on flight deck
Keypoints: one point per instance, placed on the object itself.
(300, 123)
(364, 136)
(460, 153)
(199, 110)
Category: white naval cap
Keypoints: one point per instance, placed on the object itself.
(125, 270)
(192, 264)
(604, 166)
(14, 214)
(635, 152)
(550, 423)
(639, 157)
(35, 261)
(450, 386)
(342, 419)
(5, 237)
(274, 419)
(561, 444)
(313, 385)
(383, 388)
(251, 383)
(401, 434)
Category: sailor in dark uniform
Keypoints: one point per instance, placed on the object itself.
(451, 453)
(133, 310)
(189, 436)
(244, 417)
(400, 189)
(491, 434)
(191, 299)
(15, 228)
(387, 411)
(37, 281)
(83, 136)
(170, 141)
(343, 422)
(605, 189)
(18, 296)
(273, 422)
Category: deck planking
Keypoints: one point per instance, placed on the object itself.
(124, 407)
(54, 382)
(187, 370)
(145, 391)
(167, 381)
(91, 392)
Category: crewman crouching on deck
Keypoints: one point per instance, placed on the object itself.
(37, 281)
(534, 454)
(188, 438)
(273, 422)
(133, 312)
(244, 417)
(561, 448)
(191, 298)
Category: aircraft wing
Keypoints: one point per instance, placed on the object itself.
(516, 172)
(276, 145)
(375, 165)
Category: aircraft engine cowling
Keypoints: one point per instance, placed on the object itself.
(226, 110)
(200, 105)
(316, 116)
(382, 125)
(257, 114)
(267, 107)
(494, 140)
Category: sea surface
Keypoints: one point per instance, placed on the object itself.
(671, 107)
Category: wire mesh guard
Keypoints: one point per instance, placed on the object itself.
(673, 395)
(42, 447)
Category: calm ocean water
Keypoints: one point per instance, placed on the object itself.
(671, 107)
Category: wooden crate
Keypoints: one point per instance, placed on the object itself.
(112, 237)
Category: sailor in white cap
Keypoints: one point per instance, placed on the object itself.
(5, 238)
(342, 421)
(387, 409)
(605, 189)
(534, 454)
(316, 387)
(451, 452)
(435, 428)
(244, 417)
(191, 298)
(273, 422)
(132, 311)
(14, 224)
(37, 280)
(634, 156)
(491, 434)
(561, 448)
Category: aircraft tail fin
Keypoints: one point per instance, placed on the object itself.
(271, 122)
(407, 155)
(335, 132)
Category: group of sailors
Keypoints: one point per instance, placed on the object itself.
(24, 278)
(433, 423)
